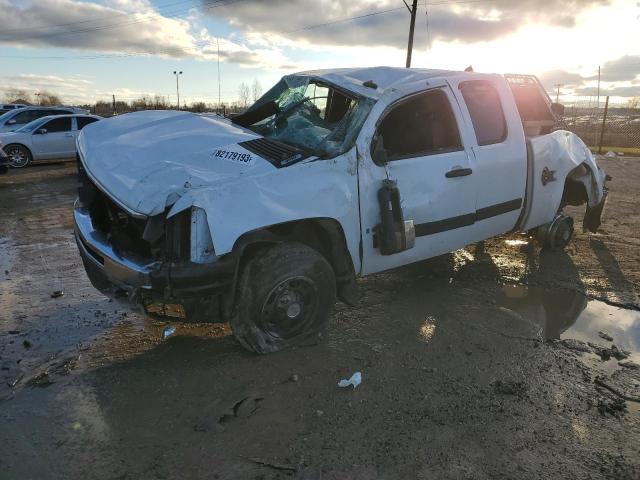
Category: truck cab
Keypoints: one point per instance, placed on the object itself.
(264, 219)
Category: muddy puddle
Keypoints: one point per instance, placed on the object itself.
(560, 314)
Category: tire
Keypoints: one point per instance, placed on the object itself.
(284, 297)
(556, 235)
(19, 155)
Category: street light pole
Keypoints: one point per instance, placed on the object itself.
(218, 44)
(177, 74)
(558, 85)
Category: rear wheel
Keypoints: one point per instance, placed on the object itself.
(556, 235)
(284, 297)
(19, 155)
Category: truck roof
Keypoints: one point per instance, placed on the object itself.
(383, 77)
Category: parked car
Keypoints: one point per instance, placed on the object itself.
(14, 119)
(264, 219)
(47, 138)
(6, 107)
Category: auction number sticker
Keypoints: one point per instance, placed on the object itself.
(244, 158)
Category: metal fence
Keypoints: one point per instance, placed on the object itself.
(607, 126)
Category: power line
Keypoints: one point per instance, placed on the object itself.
(58, 25)
(215, 4)
(208, 42)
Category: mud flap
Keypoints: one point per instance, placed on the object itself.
(593, 215)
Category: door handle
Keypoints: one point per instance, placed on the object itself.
(458, 172)
(68, 135)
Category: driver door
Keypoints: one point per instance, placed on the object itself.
(426, 156)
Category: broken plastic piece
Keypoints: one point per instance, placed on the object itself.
(167, 332)
(355, 380)
(57, 294)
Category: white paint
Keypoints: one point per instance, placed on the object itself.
(150, 160)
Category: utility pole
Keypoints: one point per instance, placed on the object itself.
(177, 74)
(39, 99)
(558, 85)
(114, 104)
(604, 124)
(413, 10)
(598, 100)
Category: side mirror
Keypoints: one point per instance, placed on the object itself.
(11, 122)
(41, 131)
(379, 154)
(557, 109)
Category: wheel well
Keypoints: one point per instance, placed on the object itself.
(19, 145)
(574, 192)
(325, 235)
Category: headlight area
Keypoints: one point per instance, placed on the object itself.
(190, 264)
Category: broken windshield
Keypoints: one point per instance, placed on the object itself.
(308, 113)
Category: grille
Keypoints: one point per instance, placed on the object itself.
(126, 234)
(123, 231)
(277, 153)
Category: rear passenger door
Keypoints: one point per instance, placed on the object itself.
(57, 142)
(499, 152)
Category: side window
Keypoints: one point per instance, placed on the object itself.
(84, 121)
(35, 114)
(422, 125)
(485, 109)
(58, 125)
(24, 117)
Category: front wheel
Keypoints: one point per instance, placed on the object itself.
(285, 295)
(19, 155)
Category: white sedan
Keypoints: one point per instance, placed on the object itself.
(47, 138)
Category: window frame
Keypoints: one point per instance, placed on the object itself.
(89, 119)
(505, 134)
(44, 125)
(440, 90)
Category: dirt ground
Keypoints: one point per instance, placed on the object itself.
(483, 364)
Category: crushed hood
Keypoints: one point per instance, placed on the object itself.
(147, 160)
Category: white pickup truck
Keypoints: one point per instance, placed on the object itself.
(264, 219)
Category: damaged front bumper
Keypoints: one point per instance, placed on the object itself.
(140, 280)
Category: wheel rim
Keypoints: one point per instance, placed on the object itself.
(289, 307)
(17, 157)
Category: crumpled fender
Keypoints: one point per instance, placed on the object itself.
(555, 157)
(316, 189)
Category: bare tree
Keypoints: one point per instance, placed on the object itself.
(244, 94)
(49, 99)
(17, 95)
(633, 102)
(256, 90)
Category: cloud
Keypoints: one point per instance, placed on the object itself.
(628, 91)
(625, 68)
(464, 22)
(119, 26)
(568, 79)
(71, 89)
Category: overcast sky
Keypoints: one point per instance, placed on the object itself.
(88, 50)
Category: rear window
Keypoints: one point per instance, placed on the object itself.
(84, 121)
(485, 109)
